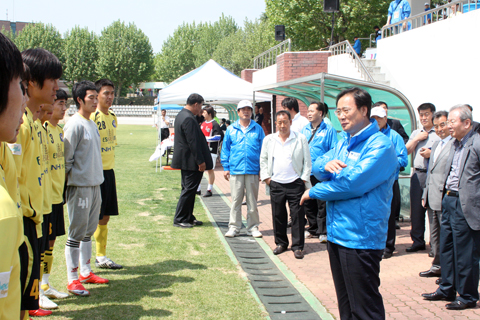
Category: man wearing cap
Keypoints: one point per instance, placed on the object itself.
(428, 18)
(240, 159)
(379, 114)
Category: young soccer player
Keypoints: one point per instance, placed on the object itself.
(57, 170)
(45, 70)
(11, 233)
(106, 122)
(83, 166)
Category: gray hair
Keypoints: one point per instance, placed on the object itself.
(464, 111)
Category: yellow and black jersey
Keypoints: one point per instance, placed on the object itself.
(27, 153)
(107, 127)
(47, 177)
(57, 161)
(10, 178)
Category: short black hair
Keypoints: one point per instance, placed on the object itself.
(228, 122)
(43, 65)
(376, 27)
(79, 90)
(362, 98)
(61, 95)
(440, 114)
(321, 107)
(291, 104)
(283, 112)
(379, 104)
(194, 98)
(223, 119)
(209, 110)
(427, 106)
(103, 83)
(11, 67)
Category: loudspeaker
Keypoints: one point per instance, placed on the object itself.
(279, 32)
(331, 5)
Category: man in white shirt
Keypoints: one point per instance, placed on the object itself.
(162, 125)
(285, 166)
(298, 121)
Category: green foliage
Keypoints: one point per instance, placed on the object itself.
(80, 55)
(40, 35)
(125, 55)
(310, 28)
(9, 34)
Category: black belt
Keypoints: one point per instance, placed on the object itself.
(420, 170)
(452, 193)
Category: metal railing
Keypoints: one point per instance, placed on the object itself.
(439, 13)
(269, 57)
(345, 47)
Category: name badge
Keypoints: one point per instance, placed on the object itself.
(353, 156)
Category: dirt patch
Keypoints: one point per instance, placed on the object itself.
(144, 214)
(142, 201)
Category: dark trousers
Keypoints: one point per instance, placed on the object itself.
(292, 192)
(190, 182)
(394, 212)
(459, 246)
(316, 212)
(356, 278)
(417, 211)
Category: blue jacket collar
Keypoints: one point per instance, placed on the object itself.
(364, 135)
(237, 125)
(386, 130)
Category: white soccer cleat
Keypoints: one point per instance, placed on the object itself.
(53, 293)
(46, 303)
(107, 264)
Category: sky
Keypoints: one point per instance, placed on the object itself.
(156, 18)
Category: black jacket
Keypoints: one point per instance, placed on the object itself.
(190, 146)
(476, 126)
(397, 126)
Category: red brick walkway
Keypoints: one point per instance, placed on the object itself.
(401, 286)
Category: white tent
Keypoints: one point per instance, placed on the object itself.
(214, 83)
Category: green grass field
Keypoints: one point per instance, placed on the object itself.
(169, 272)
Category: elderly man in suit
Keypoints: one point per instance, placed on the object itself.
(460, 228)
(433, 192)
(192, 156)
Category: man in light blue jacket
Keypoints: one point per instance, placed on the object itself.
(380, 115)
(241, 164)
(358, 176)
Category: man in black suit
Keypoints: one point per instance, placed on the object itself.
(393, 123)
(192, 156)
(460, 227)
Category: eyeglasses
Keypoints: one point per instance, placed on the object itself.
(345, 111)
(441, 125)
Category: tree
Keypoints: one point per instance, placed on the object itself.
(125, 55)
(9, 34)
(80, 55)
(39, 35)
(310, 28)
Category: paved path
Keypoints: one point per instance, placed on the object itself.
(401, 286)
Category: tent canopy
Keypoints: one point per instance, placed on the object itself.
(215, 84)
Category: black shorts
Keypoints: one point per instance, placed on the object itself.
(108, 190)
(57, 221)
(29, 266)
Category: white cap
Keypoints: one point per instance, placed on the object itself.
(379, 112)
(427, 4)
(243, 104)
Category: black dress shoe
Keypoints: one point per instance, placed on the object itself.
(429, 274)
(435, 296)
(207, 194)
(197, 223)
(431, 254)
(387, 255)
(279, 249)
(438, 281)
(414, 248)
(459, 305)
(183, 225)
(298, 254)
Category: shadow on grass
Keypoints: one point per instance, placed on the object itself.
(125, 298)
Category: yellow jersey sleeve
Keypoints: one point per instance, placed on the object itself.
(107, 127)
(57, 161)
(47, 177)
(7, 164)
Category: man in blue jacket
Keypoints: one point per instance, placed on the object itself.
(241, 164)
(357, 45)
(321, 138)
(358, 176)
(380, 115)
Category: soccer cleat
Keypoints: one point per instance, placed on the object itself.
(39, 313)
(108, 264)
(92, 278)
(46, 303)
(53, 293)
(77, 289)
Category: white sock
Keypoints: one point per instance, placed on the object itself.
(199, 188)
(45, 278)
(210, 186)
(85, 256)
(72, 254)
